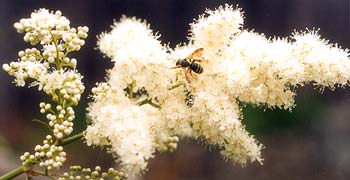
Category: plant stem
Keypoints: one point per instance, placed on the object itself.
(41, 173)
(22, 169)
(154, 104)
(14, 173)
(57, 52)
(176, 86)
(145, 101)
(71, 139)
(42, 123)
(150, 102)
(131, 90)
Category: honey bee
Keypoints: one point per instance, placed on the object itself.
(189, 64)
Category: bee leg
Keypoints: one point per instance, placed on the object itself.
(188, 75)
(188, 79)
(175, 67)
(198, 60)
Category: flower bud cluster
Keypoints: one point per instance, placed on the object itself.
(44, 27)
(74, 38)
(79, 173)
(47, 155)
(53, 32)
(30, 54)
(60, 119)
(41, 26)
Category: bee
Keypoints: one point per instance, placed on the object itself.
(189, 64)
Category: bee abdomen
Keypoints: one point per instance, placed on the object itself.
(197, 68)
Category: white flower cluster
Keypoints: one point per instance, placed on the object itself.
(54, 73)
(50, 69)
(138, 56)
(29, 66)
(49, 155)
(43, 26)
(53, 32)
(62, 85)
(145, 102)
(133, 132)
(274, 67)
(205, 30)
(122, 125)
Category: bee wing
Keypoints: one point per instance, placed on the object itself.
(197, 54)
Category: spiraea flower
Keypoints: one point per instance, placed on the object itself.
(122, 125)
(138, 56)
(140, 76)
(278, 65)
(204, 31)
(52, 71)
(149, 102)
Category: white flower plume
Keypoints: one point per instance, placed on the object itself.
(53, 72)
(145, 104)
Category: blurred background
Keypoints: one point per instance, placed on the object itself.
(311, 142)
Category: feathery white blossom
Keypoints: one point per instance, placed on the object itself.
(123, 125)
(133, 132)
(138, 56)
(214, 29)
(238, 65)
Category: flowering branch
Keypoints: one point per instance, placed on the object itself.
(54, 73)
(23, 169)
(220, 66)
(146, 104)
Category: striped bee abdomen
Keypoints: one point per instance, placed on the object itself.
(195, 67)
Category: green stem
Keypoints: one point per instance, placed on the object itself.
(36, 172)
(71, 139)
(176, 86)
(145, 101)
(154, 104)
(150, 102)
(131, 90)
(42, 123)
(57, 52)
(14, 173)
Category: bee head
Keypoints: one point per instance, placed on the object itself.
(178, 63)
